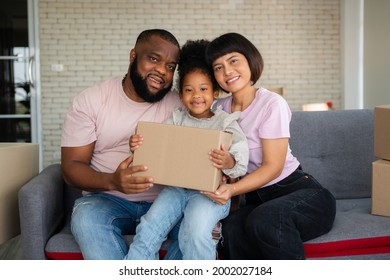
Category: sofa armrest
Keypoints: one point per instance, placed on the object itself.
(41, 210)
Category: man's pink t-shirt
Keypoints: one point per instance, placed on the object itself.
(267, 117)
(103, 113)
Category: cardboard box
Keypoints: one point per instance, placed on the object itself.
(382, 132)
(381, 187)
(178, 156)
(19, 163)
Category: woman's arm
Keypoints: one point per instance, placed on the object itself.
(274, 157)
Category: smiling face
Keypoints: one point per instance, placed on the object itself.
(197, 94)
(232, 72)
(152, 67)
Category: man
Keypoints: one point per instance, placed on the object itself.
(95, 146)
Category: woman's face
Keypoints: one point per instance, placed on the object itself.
(232, 72)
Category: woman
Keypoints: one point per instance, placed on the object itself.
(284, 205)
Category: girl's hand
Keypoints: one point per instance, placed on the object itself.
(135, 141)
(221, 158)
(222, 194)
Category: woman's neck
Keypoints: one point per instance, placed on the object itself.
(241, 100)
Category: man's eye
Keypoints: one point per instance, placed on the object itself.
(171, 67)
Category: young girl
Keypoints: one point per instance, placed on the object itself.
(284, 205)
(199, 213)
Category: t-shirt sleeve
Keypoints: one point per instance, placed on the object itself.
(276, 120)
(79, 128)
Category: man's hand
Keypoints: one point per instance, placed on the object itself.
(77, 172)
(125, 182)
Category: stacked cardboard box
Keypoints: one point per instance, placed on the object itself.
(18, 164)
(381, 167)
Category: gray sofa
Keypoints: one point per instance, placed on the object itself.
(334, 146)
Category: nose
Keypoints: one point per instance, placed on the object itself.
(227, 70)
(195, 94)
(161, 68)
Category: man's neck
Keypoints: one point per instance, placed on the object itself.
(129, 90)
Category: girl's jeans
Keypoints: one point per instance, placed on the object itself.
(277, 219)
(199, 216)
(100, 220)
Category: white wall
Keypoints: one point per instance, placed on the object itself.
(299, 40)
(352, 53)
(376, 53)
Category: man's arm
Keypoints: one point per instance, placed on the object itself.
(76, 171)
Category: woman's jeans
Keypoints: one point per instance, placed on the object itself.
(100, 220)
(277, 219)
(199, 216)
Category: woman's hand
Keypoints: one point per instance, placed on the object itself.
(222, 194)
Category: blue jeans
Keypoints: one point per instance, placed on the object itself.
(199, 216)
(277, 219)
(100, 220)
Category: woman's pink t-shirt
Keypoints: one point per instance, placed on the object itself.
(267, 117)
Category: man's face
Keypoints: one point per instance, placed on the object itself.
(152, 68)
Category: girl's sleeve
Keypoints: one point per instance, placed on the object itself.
(239, 148)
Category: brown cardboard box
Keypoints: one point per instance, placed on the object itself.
(18, 164)
(178, 156)
(381, 187)
(382, 132)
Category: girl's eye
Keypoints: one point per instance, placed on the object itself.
(217, 68)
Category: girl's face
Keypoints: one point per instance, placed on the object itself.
(197, 94)
(232, 72)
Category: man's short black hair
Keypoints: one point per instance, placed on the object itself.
(164, 34)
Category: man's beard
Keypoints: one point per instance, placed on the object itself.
(141, 87)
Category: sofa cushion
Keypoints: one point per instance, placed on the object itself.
(327, 145)
(355, 232)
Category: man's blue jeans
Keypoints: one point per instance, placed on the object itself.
(100, 220)
(199, 216)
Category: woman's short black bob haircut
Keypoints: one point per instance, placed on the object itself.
(192, 59)
(234, 42)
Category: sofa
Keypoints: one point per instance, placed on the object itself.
(335, 146)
